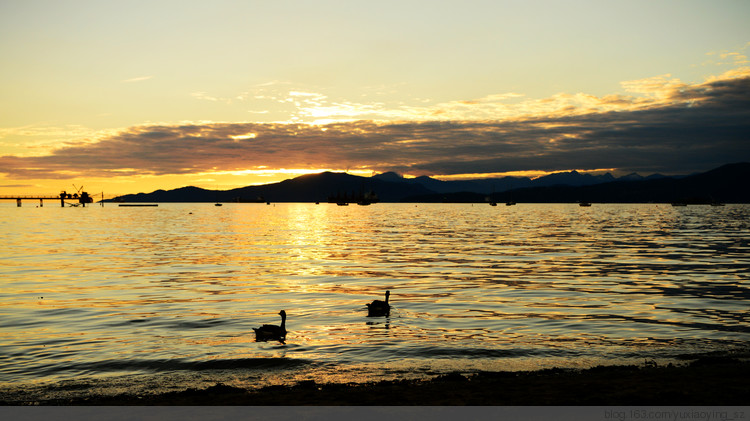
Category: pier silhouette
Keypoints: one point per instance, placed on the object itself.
(80, 199)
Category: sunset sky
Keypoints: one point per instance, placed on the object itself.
(132, 96)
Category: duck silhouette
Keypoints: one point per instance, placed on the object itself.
(272, 332)
(379, 308)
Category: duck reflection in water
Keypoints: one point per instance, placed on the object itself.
(379, 308)
(376, 325)
(272, 332)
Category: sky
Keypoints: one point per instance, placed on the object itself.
(127, 97)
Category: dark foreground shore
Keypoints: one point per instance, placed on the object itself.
(703, 382)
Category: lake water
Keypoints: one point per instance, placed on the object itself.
(111, 299)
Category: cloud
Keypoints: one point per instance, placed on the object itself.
(136, 79)
(5, 186)
(659, 86)
(671, 127)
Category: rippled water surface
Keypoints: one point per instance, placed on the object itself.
(118, 294)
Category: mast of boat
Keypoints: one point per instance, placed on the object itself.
(217, 196)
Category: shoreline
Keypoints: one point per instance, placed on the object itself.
(706, 381)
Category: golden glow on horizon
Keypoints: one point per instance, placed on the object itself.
(530, 174)
(132, 184)
(285, 172)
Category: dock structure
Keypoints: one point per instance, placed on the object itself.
(82, 199)
(41, 199)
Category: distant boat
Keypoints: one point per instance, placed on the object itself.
(584, 204)
(510, 201)
(362, 199)
(339, 199)
(715, 202)
(367, 198)
(259, 199)
(489, 198)
(217, 197)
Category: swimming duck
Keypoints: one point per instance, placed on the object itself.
(272, 332)
(379, 308)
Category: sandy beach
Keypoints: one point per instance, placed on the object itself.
(718, 381)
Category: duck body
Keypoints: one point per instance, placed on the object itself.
(379, 308)
(272, 332)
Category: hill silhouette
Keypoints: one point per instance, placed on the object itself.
(724, 184)
(306, 188)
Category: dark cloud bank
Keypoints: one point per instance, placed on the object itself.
(700, 127)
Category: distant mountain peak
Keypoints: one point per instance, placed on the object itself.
(630, 177)
(389, 176)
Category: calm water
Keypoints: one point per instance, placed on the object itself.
(166, 298)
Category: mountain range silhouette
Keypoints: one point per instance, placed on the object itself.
(729, 184)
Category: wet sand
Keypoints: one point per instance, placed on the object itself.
(720, 381)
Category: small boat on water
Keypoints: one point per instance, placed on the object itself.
(362, 199)
(510, 203)
(715, 202)
(489, 198)
(218, 204)
(368, 198)
(259, 199)
(584, 204)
